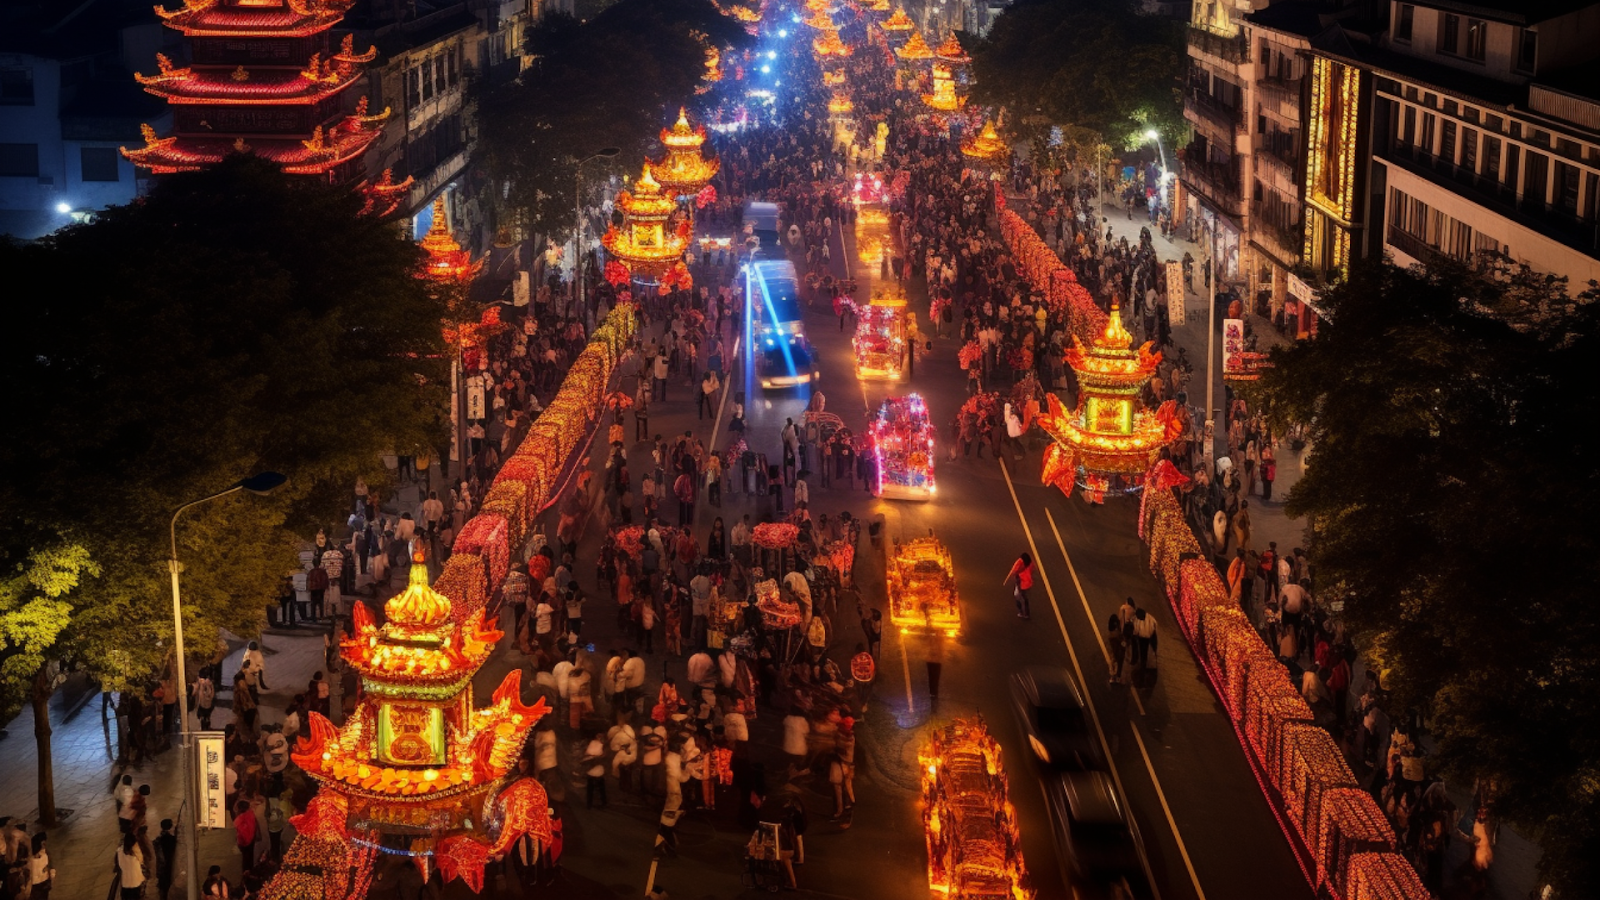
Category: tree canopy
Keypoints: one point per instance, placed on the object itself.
(612, 81)
(1091, 64)
(233, 321)
(1453, 498)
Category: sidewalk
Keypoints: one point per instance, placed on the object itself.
(1514, 875)
(83, 748)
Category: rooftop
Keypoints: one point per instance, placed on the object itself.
(1518, 12)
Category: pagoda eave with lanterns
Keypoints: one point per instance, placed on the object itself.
(1108, 443)
(685, 171)
(291, 111)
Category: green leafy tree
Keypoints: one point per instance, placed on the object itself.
(1454, 500)
(233, 321)
(1049, 62)
(612, 81)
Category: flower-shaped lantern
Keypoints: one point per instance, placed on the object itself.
(1110, 434)
(644, 243)
(685, 171)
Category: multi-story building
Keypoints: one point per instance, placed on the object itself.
(1486, 133)
(67, 102)
(1218, 164)
(422, 75)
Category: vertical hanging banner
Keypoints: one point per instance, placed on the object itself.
(1232, 346)
(1175, 311)
(211, 775)
(475, 400)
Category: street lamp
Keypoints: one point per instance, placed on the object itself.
(577, 208)
(261, 484)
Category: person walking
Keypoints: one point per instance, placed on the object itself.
(128, 867)
(1144, 637)
(41, 877)
(1116, 647)
(244, 833)
(594, 769)
(1022, 571)
(166, 845)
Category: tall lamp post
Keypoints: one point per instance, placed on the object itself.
(577, 208)
(261, 484)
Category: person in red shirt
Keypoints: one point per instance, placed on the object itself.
(244, 833)
(1022, 571)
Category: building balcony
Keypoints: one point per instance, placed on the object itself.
(1285, 240)
(1217, 182)
(1489, 193)
(1412, 246)
(1235, 50)
(1280, 90)
(1199, 107)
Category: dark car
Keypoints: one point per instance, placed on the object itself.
(1098, 842)
(1050, 709)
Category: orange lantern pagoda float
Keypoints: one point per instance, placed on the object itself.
(828, 44)
(447, 262)
(944, 97)
(417, 771)
(915, 50)
(899, 21)
(986, 144)
(685, 171)
(644, 243)
(1110, 441)
(950, 52)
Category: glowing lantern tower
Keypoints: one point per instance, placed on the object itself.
(986, 145)
(915, 50)
(417, 771)
(644, 244)
(267, 80)
(447, 262)
(685, 171)
(1110, 435)
(899, 21)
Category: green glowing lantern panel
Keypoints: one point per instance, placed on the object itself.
(410, 734)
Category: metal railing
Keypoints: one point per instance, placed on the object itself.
(1231, 49)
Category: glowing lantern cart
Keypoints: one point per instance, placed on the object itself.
(902, 448)
(974, 847)
(880, 341)
(922, 588)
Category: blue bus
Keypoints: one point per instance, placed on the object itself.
(777, 333)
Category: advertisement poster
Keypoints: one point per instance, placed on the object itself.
(1232, 346)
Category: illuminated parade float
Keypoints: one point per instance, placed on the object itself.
(880, 340)
(685, 171)
(1110, 441)
(922, 588)
(986, 145)
(645, 244)
(974, 846)
(902, 446)
(899, 21)
(416, 771)
(915, 49)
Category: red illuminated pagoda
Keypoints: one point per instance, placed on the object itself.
(265, 78)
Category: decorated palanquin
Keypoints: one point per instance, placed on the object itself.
(418, 771)
(880, 339)
(922, 588)
(974, 846)
(1110, 441)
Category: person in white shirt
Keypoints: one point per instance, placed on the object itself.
(633, 671)
(257, 662)
(594, 769)
(39, 876)
(740, 537)
(130, 867)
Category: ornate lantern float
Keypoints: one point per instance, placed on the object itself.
(644, 243)
(950, 52)
(828, 44)
(447, 262)
(685, 171)
(1110, 436)
(915, 50)
(944, 97)
(417, 771)
(899, 21)
(986, 145)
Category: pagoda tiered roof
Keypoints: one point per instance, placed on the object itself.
(257, 18)
(326, 149)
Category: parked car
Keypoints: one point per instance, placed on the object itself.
(1050, 710)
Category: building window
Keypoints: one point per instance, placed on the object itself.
(1449, 33)
(1527, 49)
(1491, 158)
(16, 87)
(1408, 127)
(451, 69)
(1567, 179)
(1426, 144)
(1469, 150)
(413, 86)
(1513, 161)
(1477, 39)
(19, 160)
(427, 81)
(100, 164)
(1447, 142)
(1402, 24)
